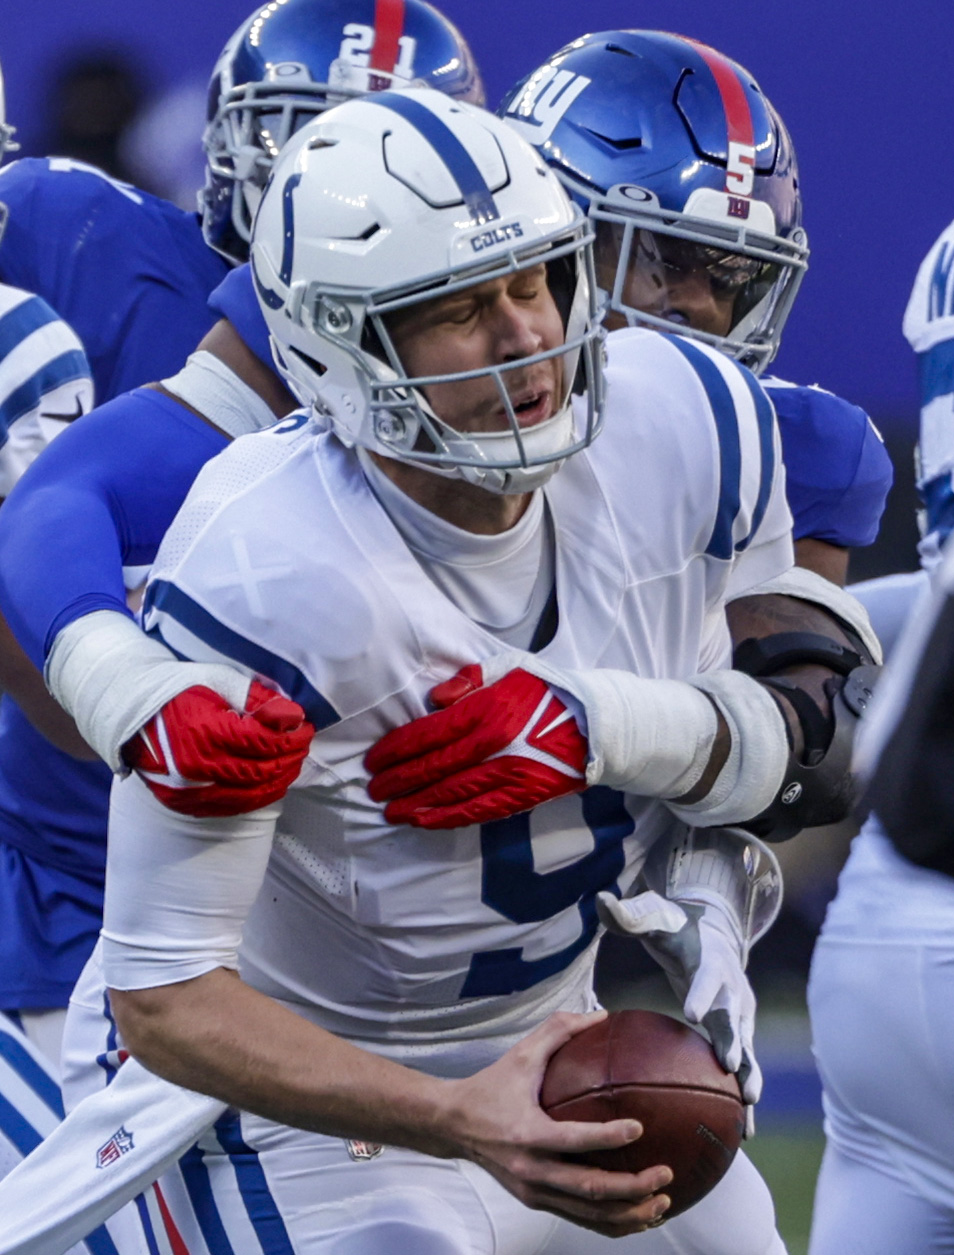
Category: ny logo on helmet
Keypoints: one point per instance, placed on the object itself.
(537, 110)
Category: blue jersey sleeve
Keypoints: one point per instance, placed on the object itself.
(838, 472)
(129, 272)
(100, 499)
(235, 300)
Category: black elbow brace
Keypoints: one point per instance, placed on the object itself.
(818, 788)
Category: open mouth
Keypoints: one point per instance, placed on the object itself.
(531, 407)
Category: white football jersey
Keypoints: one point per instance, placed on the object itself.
(422, 944)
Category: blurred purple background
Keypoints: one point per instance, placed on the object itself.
(867, 92)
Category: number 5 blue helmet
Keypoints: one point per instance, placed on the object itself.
(689, 175)
(294, 58)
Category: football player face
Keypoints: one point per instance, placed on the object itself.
(490, 324)
(689, 285)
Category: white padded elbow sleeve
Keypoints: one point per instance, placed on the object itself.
(112, 679)
(810, 586)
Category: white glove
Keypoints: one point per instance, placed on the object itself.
(700, 949)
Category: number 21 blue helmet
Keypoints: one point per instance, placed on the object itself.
(294, 58)
(689, 175)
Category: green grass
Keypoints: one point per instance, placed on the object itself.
(789, 1159)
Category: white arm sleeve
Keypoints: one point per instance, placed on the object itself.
(178, 889)
(112, 678)
(45, 381)
(66, 1172)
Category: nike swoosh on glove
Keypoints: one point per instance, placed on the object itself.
(487, 753)
(697, 947)
(200, 757)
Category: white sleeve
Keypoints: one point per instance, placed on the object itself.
(178, 889)
(768, 551)
(929, 329)
(929, 315)
(45, 381)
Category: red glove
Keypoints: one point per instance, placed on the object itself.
(200, 757)
(486, 754)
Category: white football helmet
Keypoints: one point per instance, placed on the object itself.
(386, 203)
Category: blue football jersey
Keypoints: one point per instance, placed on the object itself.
(235, 300)
(93, 505)
(130, 273)
(837, 470)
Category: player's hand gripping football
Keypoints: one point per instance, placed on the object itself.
(493, 748)
(200, 757)
(698, 947)
(495, 1119)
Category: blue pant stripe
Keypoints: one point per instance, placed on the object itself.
(256, 1195)
(17, 1129)
(199, 1188)
(31, 1073)
(146, 1221)
(99, 1242)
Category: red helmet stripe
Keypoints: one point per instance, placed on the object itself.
(738, 116)
(388, 28)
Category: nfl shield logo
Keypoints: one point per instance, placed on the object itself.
(118, 1145)
(364, 1150)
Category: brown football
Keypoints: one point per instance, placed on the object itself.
(650, 1067)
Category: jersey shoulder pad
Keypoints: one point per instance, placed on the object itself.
(712, 415)
(41, 190)
(838, 472)
(261, 569)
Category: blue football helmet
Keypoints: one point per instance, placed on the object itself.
(293, 58)
(690, 177)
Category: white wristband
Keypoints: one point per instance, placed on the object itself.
(112, 679)
(655, 738)
(652, 737)
(758, 755)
